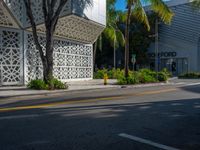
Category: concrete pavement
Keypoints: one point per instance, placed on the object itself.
(14, 91)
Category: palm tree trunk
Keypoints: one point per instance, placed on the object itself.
(127, 41)
(114, 58)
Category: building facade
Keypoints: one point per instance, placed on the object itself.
(179, 43)
(79, 25)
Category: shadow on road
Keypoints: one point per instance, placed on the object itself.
(175, 123)
(193, 88)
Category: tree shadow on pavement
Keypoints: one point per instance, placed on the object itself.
(174, 123)
(193, 88)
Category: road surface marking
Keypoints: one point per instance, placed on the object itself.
(155, 92)
(148, 142)
(83, 101)
(58, 103)
(193, 84)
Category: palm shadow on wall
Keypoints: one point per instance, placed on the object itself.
(80, 6)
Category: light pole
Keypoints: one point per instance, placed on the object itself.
(156, 63)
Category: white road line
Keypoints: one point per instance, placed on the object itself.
(193, 84)
(147, 142)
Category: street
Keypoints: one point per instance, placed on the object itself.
(151, 118)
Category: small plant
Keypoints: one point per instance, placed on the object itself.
(162, 76)
(121, 80)
(39, 84)
(57, 84)
(112, 74)
(100, 74)
(166, 72)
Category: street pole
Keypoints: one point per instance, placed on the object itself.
(156, 47)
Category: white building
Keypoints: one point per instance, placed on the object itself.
(179, 43)
(79, 25)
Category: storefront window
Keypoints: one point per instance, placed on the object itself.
(176, 66)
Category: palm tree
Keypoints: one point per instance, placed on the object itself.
(112, 32)
(135, 8)
(196, 3)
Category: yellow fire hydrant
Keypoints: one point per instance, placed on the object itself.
(105, 79)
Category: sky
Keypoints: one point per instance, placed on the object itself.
(120, 5)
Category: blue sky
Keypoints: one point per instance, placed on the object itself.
(120, 5)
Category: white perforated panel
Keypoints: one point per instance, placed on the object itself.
(71, 60)
(11, 63)
(76, 28)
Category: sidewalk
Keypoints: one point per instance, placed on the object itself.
(13, 91)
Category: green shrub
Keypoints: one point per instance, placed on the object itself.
(133, 78)
(41, 85)
(162, 76)
(100, 73)
(37, 84)
(121, 80)
(118, 73)
(112, 74)
(166, 72)
(136, 77)
(57, 84)
(147, 76)
(142, 76)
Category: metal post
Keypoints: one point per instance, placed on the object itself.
(156, 47)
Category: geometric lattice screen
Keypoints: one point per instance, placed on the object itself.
(5, 19)
(76, 28)
(16, 7)
(72, 60)
(11, 57)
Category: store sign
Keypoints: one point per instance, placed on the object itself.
(163, 54)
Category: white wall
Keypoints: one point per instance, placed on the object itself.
(94, 10)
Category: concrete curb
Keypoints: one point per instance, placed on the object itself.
(55, 92)
(76, 90)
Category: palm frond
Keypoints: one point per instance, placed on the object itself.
(162, 10)
(140, 14)
(120, 38)
(110, 34)
(196, 4)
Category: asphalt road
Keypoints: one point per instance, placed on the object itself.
(153, 118)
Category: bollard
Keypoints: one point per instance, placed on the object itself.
(105, 79)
